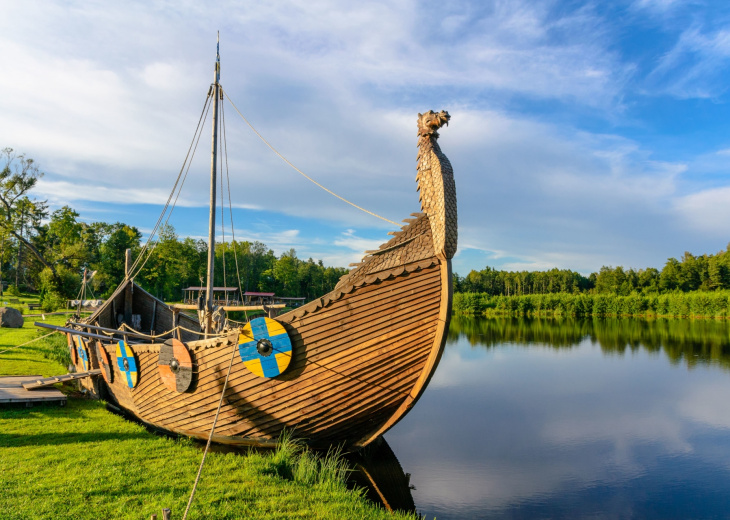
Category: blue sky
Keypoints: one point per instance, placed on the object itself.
(582, 134)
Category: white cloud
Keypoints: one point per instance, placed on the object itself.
(706, 211)
(350, 240)
(106, 98)
(545, 193)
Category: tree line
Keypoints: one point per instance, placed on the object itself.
(47, 252)
(706, 272)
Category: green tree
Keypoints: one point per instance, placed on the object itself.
(18, 176)
(669, 279)
(286, 273)
(111, 259)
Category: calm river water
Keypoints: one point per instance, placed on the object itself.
(573, 419)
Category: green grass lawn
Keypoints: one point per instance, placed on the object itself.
(81, 461)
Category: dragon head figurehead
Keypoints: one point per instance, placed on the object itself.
(435, 180)
(430, 122)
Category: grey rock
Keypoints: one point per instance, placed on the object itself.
(11, 318)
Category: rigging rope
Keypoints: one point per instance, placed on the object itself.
(153, 337)
(27, 342)
(146, 252)
(300, 171)
(230, 209)
(223, 217)
(210, 437)
(204, 112)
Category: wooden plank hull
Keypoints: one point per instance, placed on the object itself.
(361, 357)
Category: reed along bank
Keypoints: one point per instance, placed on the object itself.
(696, 304)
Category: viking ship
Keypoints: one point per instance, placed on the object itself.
(341, 369)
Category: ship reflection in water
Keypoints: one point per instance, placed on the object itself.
(573, 419)
(377, 470)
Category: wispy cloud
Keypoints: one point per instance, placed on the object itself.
(657, 5)
(697, 65)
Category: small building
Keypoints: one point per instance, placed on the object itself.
(269, 298)
(230, 296)
(258, 298)
(221, 295)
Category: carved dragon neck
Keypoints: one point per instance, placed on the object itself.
(435, 180)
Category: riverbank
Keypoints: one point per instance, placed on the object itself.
(81, 461)
(697, 304)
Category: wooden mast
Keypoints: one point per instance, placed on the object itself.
(211, 226)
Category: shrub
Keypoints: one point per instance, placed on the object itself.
(51, 301)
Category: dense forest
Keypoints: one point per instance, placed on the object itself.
(692, 273)
(47, 252)
(692, 286)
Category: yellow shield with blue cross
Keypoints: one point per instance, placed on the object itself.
(81, 352)
(265, 347)
(127, 364)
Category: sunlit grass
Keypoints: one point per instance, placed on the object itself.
(81, 461)
(35, 358)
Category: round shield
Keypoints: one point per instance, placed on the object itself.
(127, 364)
(106, 366)
(265, 347)
(82, 353)
(175, 366)
(72, 348)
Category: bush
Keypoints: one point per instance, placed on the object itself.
(51, 301)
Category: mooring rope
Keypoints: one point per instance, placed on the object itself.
(27, 342)
(300, 171)
(210, 437)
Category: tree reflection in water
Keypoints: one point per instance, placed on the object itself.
(686, 341)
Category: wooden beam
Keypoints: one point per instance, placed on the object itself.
(49, 381)
(185, 306)
(75, 332)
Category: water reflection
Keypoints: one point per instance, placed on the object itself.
(378, 472)
(690, 342)
(573, 419)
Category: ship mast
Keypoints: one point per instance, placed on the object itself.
(211, 226)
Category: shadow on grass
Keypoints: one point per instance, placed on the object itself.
(41, 410)
(56, 439)
(6, 358)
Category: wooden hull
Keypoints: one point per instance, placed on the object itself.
(362, 355)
